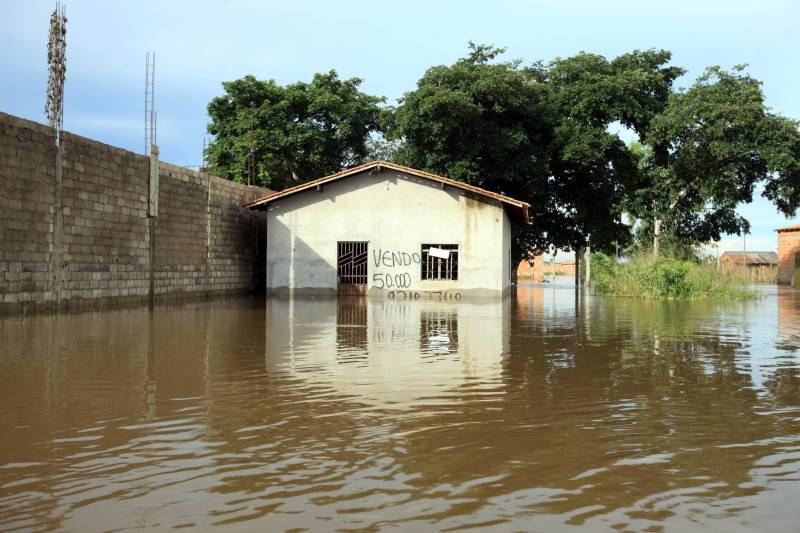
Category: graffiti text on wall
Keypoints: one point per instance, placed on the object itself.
(390, 259)
(400, 278)
(397, 281)
(425, 295)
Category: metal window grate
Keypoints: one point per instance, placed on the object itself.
(439, 267)
(351, 264)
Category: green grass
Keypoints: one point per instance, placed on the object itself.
(664, 279)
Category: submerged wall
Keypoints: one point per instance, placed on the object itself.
(83, 237)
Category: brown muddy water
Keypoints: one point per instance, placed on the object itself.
(537, 413)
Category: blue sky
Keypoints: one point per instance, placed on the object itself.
(199, 44)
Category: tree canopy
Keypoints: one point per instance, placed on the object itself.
(280, 136)
(541, 134)
(481, 122)
(546, 133)
(718, 141)
(592, 169)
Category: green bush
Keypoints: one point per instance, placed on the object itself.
(663, 278)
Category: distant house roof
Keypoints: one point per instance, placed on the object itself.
(795, 227)
(516, 208)
(751, 258)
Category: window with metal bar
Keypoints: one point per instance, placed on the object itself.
(351, 264)
(439, 261)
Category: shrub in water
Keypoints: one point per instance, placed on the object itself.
(663, 278)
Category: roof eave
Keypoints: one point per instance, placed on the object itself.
(506, 201)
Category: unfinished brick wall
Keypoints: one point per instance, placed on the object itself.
(788, 246)
(27, 193)
(84, 238)
(105, 240)
(181, 243)
(237, 238)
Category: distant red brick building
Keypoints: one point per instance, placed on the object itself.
(566, 268)
(535, 273)
(531, 273)
(788, 254)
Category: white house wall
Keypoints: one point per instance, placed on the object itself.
(395, 213)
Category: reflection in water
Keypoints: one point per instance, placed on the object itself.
(538, 412)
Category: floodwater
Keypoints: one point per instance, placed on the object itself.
(536, 413)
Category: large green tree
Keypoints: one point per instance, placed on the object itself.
(280, 136)
(485, 123)
(706, 153)
(541, 134)
(592, 168)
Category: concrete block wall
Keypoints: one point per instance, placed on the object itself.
(181, 231)
(105, 226)
(237, 238)
(82, 238)
(27, 190)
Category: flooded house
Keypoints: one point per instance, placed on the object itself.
(383, 227)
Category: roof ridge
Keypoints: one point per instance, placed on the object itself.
(523, 206)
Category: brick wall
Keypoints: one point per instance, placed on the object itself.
(531, 273)
(105, 235)
(788, 245)
(27, 192)
(181, 245)
(84, 238)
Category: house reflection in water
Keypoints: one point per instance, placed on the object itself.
(378, 342)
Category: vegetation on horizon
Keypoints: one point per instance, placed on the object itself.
(646, 277)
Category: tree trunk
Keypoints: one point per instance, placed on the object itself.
(578, 263)
(657, 225)
(656, 236)
(292, 169)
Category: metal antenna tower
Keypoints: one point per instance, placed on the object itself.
(150, 115)
(57, 69)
